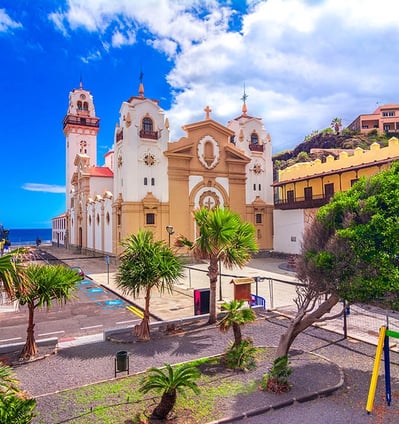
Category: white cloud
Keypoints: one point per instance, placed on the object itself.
(119, 39)
(6, 23)
(46, 188)
(303, 62)
(91, 57)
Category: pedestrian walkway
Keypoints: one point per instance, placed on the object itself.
(276, 286)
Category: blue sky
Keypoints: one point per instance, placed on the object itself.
(303, 63)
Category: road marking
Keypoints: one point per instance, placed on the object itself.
(10, 340)
(53, 332)
(126, 322)
(93, 326)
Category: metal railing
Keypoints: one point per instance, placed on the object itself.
(302, 203)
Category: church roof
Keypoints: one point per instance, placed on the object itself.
(100, 171)
(244, 115)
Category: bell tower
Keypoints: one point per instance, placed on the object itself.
(80, 127)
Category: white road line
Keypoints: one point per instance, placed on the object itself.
(126, 322)
(93, 326)
(53, 332)
(10, 340)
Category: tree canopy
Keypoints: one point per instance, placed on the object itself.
(352, 248)
(47, 283)
(223, 237)
(146, 263)
(350, 251)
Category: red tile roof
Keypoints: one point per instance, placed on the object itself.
(100, 171)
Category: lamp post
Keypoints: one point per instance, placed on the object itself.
(169, 229)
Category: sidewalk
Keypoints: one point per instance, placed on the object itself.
(363, 322)
(180, 303)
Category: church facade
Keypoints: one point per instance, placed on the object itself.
(150, 182)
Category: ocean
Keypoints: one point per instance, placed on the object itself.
(27, 237)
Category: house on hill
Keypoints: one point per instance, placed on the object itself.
(385, 119)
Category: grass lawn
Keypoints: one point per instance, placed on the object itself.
(119, 401)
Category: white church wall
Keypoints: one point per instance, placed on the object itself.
(141, 158)
(108, 225)
(193, 180)
(289, 226)
(100, 184)
(98, 224)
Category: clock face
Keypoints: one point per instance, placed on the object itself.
(82, 96)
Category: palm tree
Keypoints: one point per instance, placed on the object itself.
(12, 273)
(47, 283)
(223, 237)
(15, 406)
(145, 264)
(336, 124)
(169, 384)
(236, 316)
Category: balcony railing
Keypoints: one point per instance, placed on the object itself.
(256, 147)
(76, 120)
(302, 203)
(153, 135)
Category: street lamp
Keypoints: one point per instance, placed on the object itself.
(169, 229)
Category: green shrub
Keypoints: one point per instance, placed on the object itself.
(15, 406)
(240, 356)
(276, 380)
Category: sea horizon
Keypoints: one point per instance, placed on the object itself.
(28, 236)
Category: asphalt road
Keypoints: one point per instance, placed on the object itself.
(93, 310)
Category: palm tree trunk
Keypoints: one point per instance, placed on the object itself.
(142, 331)
(237, 334)
(166, 404)
(213, 271)
(30, 348)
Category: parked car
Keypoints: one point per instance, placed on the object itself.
(79, 271)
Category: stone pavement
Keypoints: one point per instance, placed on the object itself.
(178, 304)
(277, 287)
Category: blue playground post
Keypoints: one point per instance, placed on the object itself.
(383, 345)
(388, 395)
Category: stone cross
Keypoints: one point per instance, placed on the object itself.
(207, 110)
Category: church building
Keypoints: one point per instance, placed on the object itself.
(150, 182)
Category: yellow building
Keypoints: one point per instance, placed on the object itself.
(304, 187)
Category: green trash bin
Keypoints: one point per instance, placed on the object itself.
(121, 362)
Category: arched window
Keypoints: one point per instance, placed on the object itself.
(254, 138)
(152, 181)
(147, 125)
(147, 129)
(79, 105)
(145, 181)
(107, 218)
(85, 106)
